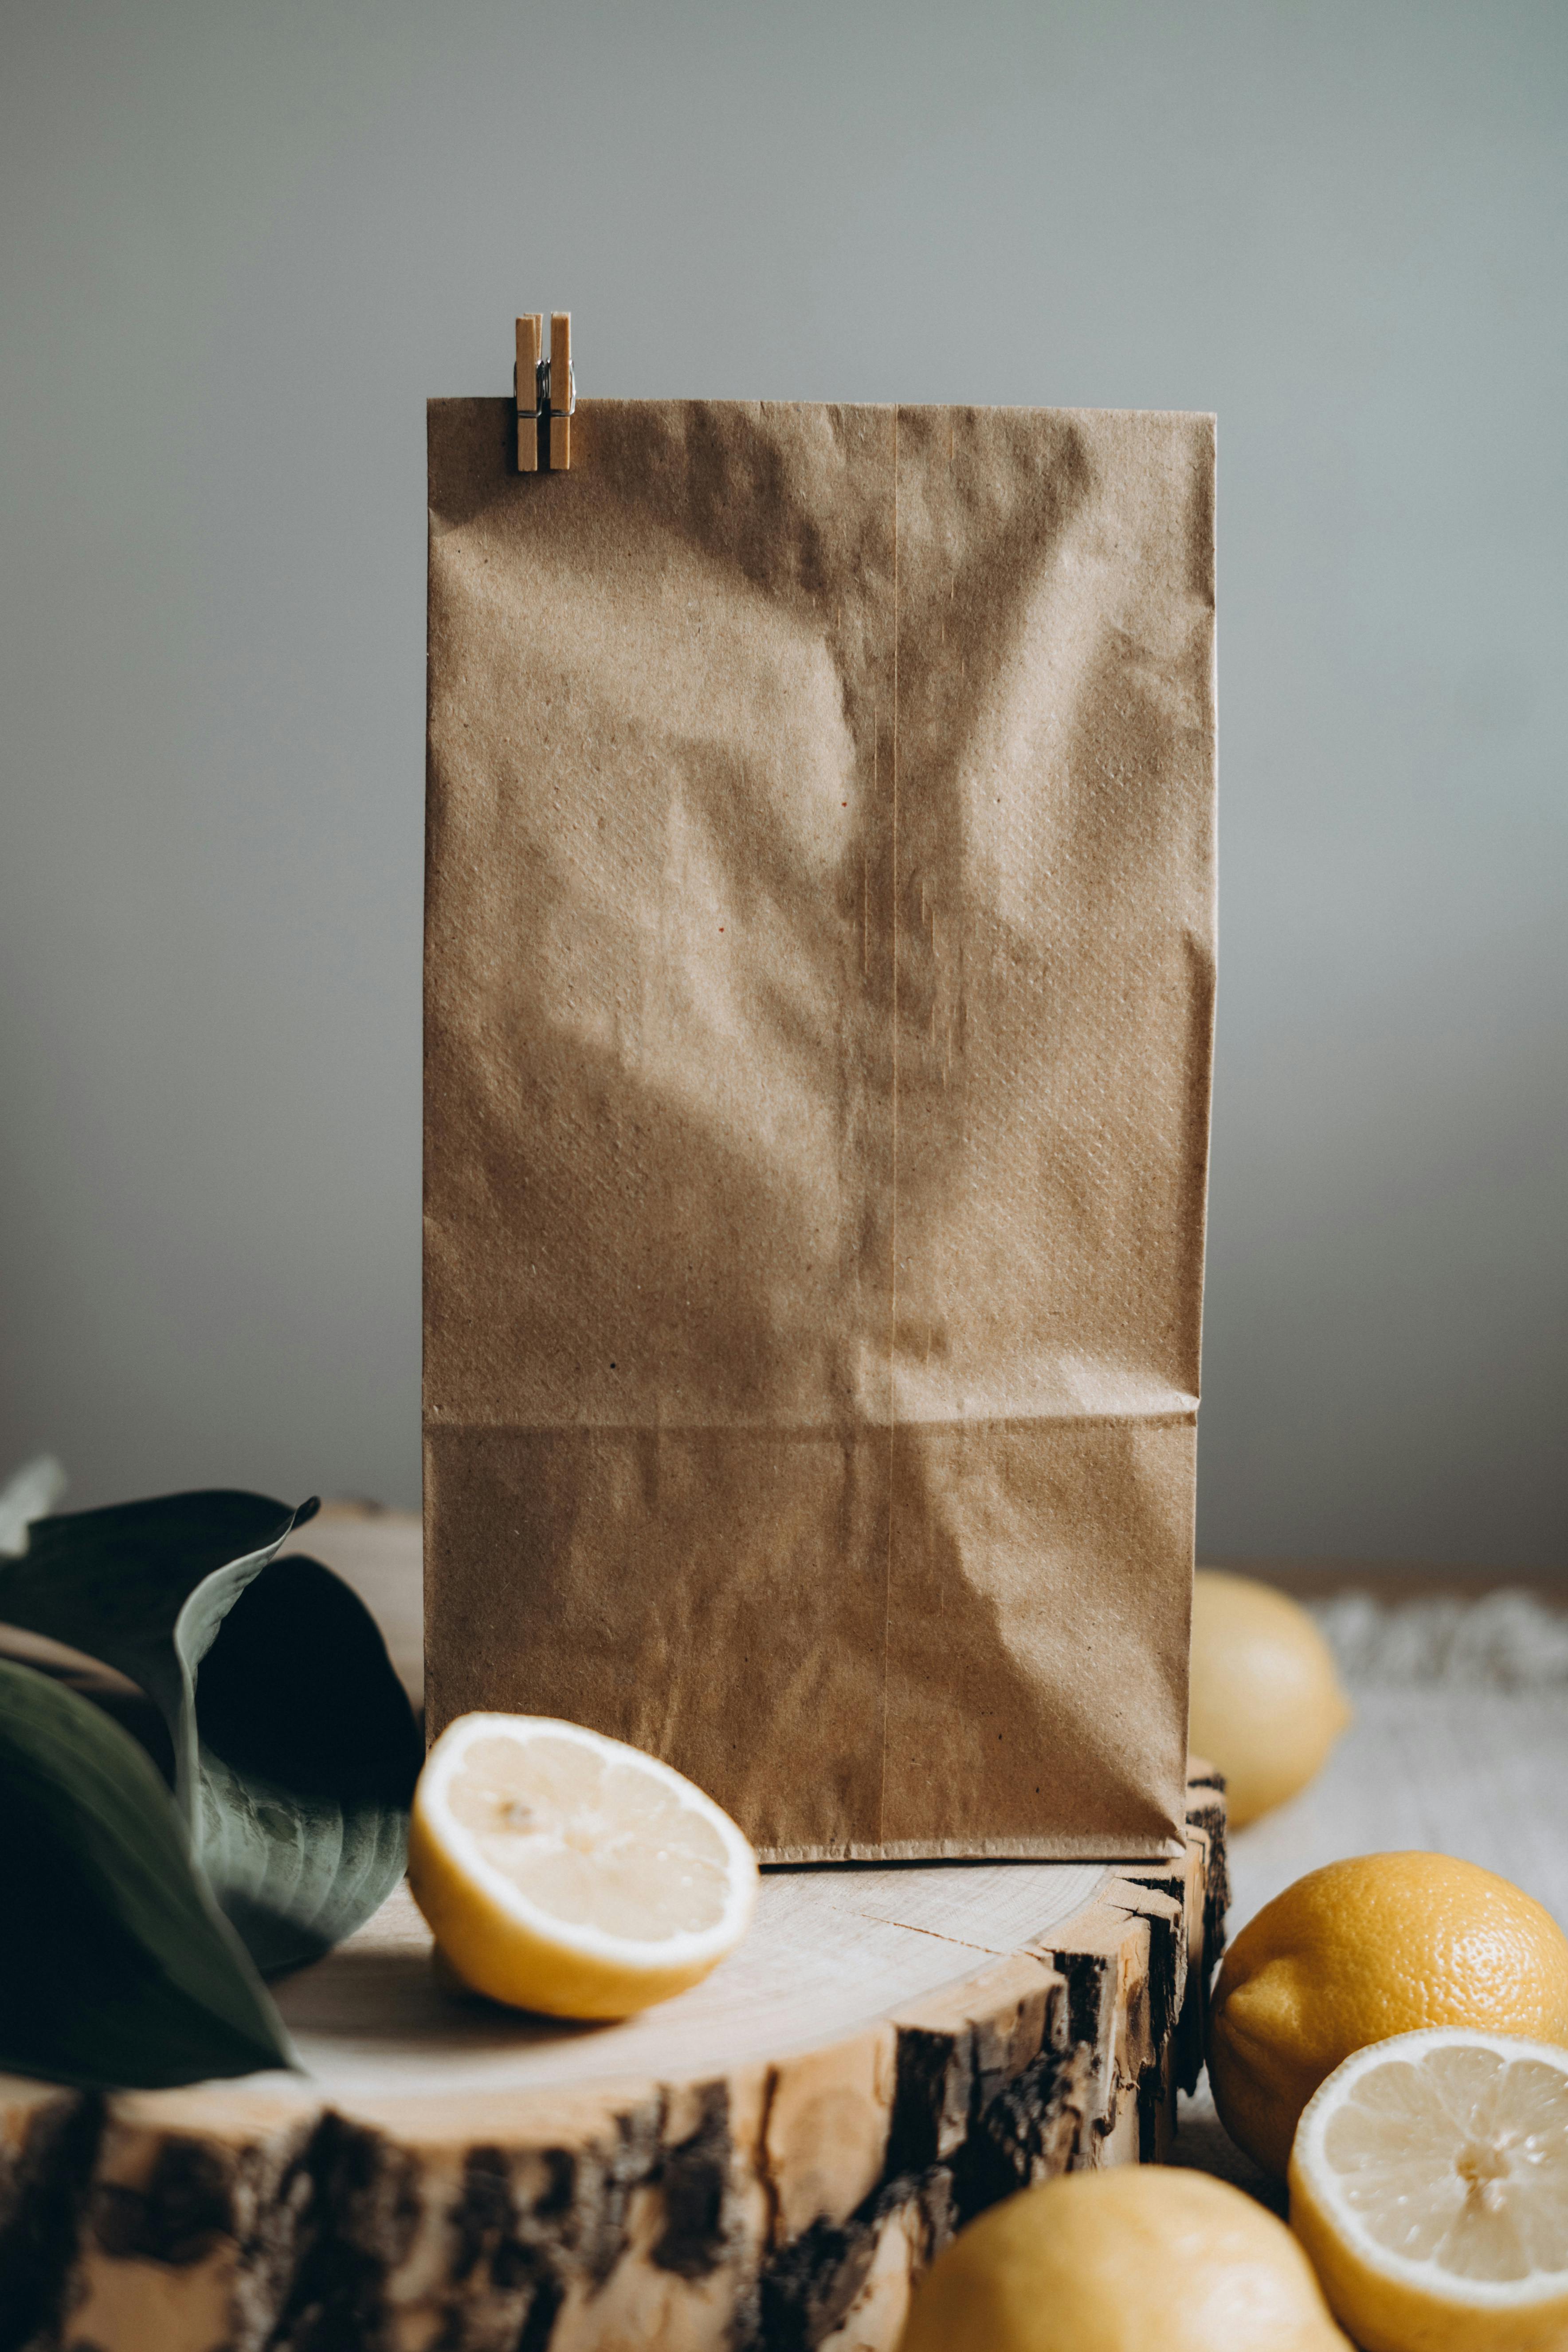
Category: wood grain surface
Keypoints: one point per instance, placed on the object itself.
(772, 2162)
(769, 2160)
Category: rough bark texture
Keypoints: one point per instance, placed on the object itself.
(786, 2205)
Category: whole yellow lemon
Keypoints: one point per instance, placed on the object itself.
(1363, 1950)
(1267, 1705)
(1123, 2260)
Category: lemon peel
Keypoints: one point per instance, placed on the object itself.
(565, 1871)
(1383, 1943)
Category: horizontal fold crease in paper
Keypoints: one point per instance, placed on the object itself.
(818, 1005)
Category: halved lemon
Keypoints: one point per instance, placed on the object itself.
(565, 1871)
(1429, 2185)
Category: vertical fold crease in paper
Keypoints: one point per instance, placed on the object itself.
(819, 970)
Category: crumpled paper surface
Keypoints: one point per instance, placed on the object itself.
(819, 1008)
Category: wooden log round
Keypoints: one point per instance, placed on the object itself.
(768, 2161)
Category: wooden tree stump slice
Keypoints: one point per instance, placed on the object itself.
(769, 2160)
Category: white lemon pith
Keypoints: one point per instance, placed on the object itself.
(1429, 2184)
(565, 1871)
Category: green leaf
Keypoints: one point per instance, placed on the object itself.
(116, 1969)
(308, 1754)
(295, 1747)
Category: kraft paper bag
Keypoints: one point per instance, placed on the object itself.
(818, 1001)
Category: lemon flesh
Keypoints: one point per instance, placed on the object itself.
(565, 1871)
(1429, 2184)
(1123, 2260)
(1381, 1945)
(1267, 1702)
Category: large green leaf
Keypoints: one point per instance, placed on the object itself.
(116, 1969)
(295, 1747)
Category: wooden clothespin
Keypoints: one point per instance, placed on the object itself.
(527, 383)
(545, 392)
(562, 391)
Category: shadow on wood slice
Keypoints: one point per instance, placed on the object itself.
(769, 2160)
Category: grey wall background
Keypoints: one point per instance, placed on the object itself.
(242, 243)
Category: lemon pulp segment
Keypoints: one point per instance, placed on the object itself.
(562, 1871)
(592, 1841)
(1429, 2183)
(1459, 2158)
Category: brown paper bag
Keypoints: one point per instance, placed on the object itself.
(818, 989)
